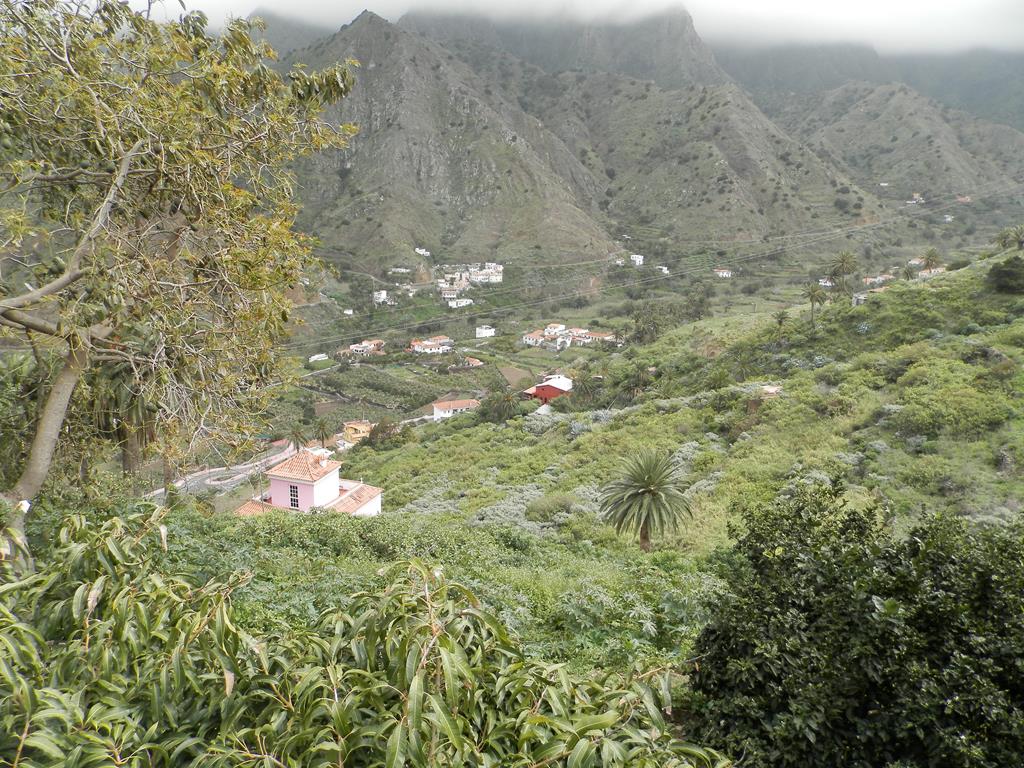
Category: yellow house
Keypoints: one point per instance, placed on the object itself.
(356, 431)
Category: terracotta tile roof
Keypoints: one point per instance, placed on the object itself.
(354, 497)
(254, 508)
(303, 466)
(455, 405)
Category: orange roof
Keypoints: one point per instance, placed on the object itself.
(254, 508)
(354, 497)
(303, 466)
(456, 405)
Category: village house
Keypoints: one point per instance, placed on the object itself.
(663, 269)
(399, 271)
(459, 303)
(858, 298)
(485, 331)
(445, 409)
(877, 279)
(722, 272)
(925, 273)
(637, 259)
(553, 329)
(472, 362)
(551, 387)
(422, 252)
(620, 262)
(918, 262)
(354, 432)
(317, 358)
(367, 347)
(488, 273)
(381, 297)
(310, 479)
(825, 282)
(533, 338)
(449, 294)
(435, 345)
(601, 336)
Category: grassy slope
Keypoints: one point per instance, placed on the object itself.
(866, 397)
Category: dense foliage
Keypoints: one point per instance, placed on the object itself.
(109, 660)
(841, 646)
(146, 220)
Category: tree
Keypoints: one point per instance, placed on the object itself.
(908, 272)
(816, 295)
(297, 436)
(781, 318)
(931, 258)
(839, 643)
(648, 498)
(150, 215)
(843, 265)
(501, 405)
(1008, 276)
(1011, 237)
(322, 432)
(111, 660)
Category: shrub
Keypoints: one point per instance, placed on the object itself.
(548, 508)
(109, 661)
(842, 646)
(1008, 276)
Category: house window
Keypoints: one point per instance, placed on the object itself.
(293, 496)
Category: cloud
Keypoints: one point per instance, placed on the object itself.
(889, 25)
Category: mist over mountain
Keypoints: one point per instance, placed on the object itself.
(537, 141)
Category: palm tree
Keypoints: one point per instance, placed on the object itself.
(816, 295)
(322, 432)
(297, 436)
(648, 498)
(501, 405)
(1011, 237)
(843, 265)
(931, 258)
(781, 318)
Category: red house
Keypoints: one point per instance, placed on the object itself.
(552, 387)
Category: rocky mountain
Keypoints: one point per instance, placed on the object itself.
(531, 142)
(987, 84)
(286, 34)
(442, 160)
(664, 48)
(892, 134)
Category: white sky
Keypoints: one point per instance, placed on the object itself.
(889, 25)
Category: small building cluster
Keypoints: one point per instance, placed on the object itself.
(457, 278)
(366, 347)
(435, 345)
(310, 479)
(556, 336)
(381, 298)
(875, 280)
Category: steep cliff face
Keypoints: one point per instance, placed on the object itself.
(441, 160)
(664, 48)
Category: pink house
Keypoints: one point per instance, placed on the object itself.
(310, 479)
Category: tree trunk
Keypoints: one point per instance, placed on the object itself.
(131, 456)
(169, 487)
(645, 537)
(44, 443)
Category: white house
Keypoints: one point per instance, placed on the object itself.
(637, 259)
(948, 218)
(485, 331)
(422, 252)
(348, 312)
(533, 338)
(825, 282)
(931, 272)
(380, 297)
(459, 303)
(309, 479)
(318, 358)
(620, 262)
(664, 270)
(490, 272)
(723, 272)
(554, 329)
(445, 409)
(435, 345)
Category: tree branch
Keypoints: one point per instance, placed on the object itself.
(54, 286)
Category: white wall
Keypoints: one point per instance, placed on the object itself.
(325, 490)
